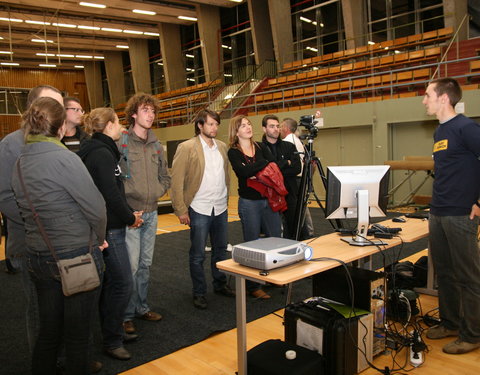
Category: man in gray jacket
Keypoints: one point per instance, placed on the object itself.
(146, 180)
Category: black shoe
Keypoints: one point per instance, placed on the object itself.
(119, 353)
(225, 291)
(129, 337)
(200, 302)
(95, 367)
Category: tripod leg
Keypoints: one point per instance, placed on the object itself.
(318, 164)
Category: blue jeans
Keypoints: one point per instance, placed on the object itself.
(116, 289)
(62, 318)
(140, 245)
(17, 247)
(256, 215)
(456, 258)
(200, 227)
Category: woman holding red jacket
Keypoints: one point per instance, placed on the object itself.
(248, 158)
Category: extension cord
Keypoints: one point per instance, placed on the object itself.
(416, 359)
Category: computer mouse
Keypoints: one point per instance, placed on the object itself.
(399, 220)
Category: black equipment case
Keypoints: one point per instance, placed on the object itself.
(338, 347)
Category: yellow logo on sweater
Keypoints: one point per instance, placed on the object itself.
(440, 145)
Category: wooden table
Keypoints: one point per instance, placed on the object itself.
(328, 246)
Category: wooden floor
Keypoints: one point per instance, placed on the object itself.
(217, 355)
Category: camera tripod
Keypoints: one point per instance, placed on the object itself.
(306, 188)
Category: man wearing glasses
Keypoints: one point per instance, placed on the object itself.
(74, 135)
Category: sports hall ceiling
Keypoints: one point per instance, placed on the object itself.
(65, 33)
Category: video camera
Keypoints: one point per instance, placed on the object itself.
(310, 123)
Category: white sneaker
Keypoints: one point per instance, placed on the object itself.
(208, 248)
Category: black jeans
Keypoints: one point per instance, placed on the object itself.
(116, 289)
(67, 318)
(456, 258)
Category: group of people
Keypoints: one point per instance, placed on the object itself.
(200, 187)
(102, 199)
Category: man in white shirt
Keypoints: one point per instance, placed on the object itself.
(199, 193)
(288, 129)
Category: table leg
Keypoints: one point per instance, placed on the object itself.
(240, 301)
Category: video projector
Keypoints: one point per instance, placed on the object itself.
(269, 253)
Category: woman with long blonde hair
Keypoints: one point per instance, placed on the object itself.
(248, 158)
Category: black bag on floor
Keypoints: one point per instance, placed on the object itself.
(269, 358)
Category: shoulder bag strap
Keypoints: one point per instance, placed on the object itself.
(36, 217)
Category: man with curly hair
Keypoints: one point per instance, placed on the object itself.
(146, 180)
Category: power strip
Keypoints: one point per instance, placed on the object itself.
(416, 359)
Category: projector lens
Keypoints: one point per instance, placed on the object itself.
(308, 253)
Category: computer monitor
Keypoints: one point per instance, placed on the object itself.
(357, 192)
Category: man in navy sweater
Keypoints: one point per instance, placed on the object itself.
(454, 218)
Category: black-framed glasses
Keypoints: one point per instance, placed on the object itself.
(82, 111)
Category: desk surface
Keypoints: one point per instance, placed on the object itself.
(329, 246)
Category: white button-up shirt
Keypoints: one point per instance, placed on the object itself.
(212, 194)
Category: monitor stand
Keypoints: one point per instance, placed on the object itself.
(363, 211)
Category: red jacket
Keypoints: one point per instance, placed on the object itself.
(269, 183)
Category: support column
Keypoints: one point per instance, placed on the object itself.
(209, 30)
(261, 31)
(93, 78)
(115, 77)
(281, 20)
(355, 23)
(139, 59)
(171, 48)
(454, 11)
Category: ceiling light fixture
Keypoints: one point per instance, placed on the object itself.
(42, 41)
(10, 19)
(151, 34)
(9, 64)
(146, 12)
(68, 25)
(370, 43)
(84, 57)
(45, 54)
(6, 53)
(121, 46)
(304, 19)
(98, 57)
(188, 55)
(92, 5)
(64, 55)
(133, 32)
(236, 1)
(79, 66)
(187, 18)
(47, 65)
(33, 22)
(88, 27)
(111, 30)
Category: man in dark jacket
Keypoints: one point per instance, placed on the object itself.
(289, 163)
(74, 134)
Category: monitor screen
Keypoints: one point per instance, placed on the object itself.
(357, 192)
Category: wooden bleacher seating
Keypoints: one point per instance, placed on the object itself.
(412, 41)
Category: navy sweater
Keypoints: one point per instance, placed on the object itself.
(457, 168)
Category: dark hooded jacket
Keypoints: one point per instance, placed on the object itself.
(100, 155)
